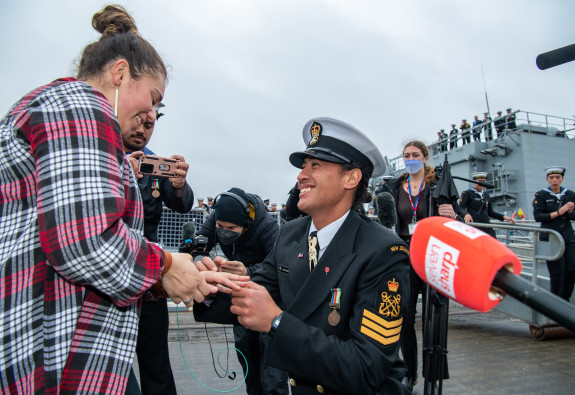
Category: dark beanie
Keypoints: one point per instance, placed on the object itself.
(230, 209)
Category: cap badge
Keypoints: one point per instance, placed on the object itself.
(315, 132)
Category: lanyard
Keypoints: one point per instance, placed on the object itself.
(414, 207)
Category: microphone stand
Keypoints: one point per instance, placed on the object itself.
(435, 322)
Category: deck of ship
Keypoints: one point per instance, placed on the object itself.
(489, 353)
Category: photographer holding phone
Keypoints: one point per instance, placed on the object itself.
(152, 347)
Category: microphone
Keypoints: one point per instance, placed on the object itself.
(188, 231)
(476, 270)
(556, 57)
(386, 212)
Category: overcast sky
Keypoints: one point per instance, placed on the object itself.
(247, 74)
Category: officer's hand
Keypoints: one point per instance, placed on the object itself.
(468, 218)
(133, 159)
(235, 267)
(508, 219)
(254, 307)
(184, 282)
(179, 182)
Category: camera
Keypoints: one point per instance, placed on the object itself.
(195, 246)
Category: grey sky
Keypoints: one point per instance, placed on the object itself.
(247, 74)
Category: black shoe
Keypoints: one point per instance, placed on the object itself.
(409, 382)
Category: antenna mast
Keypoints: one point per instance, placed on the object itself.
(485, 89)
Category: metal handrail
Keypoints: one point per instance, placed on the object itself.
(538, 255)
(536, 230)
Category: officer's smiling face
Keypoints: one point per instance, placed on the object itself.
(321, 185)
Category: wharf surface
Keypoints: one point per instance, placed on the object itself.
(489, 353)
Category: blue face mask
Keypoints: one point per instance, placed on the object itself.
(413, 165)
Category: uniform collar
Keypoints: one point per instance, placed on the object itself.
(326, 235)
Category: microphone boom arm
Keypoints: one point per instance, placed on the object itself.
(484, 184)
(537, 298)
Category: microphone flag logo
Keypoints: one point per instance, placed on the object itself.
(441, 265)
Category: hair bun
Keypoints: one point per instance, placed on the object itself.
(114, 19)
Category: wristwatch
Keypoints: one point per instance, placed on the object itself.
(275, 323)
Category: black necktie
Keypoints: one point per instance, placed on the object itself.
(313, 249)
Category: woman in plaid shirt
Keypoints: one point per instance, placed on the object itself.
(74, 264)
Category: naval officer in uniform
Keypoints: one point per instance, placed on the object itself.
(478, 204)
(553, 207)
(333, 292)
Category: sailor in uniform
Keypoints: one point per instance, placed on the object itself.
(333, 292)
(478, 204)
(553, 207)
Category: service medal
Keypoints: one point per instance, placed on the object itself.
(334, 318)
(156, 188)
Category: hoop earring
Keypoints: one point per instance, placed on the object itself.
(116, 103)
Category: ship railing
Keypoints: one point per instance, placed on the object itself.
(534, 246)
(563, 127)
(524, 120)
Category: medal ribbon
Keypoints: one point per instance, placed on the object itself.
(155, 183)
(335, 296)
(414, 207)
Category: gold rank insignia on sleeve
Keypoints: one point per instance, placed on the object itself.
(379, 329)
(384, 324)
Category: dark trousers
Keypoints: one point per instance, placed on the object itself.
(152, 349)
(562, 272)
(489, 231)
(261, 379)
(408, 335)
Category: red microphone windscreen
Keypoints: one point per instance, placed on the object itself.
(460, 261)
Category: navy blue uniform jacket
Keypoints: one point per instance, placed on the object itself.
(370, 265)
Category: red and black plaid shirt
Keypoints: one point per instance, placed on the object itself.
(73, 261)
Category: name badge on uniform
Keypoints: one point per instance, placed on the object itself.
(411, 227)
(283, 269)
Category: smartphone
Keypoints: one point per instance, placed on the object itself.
(157, 166)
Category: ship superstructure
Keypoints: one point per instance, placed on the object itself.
(514, 160)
